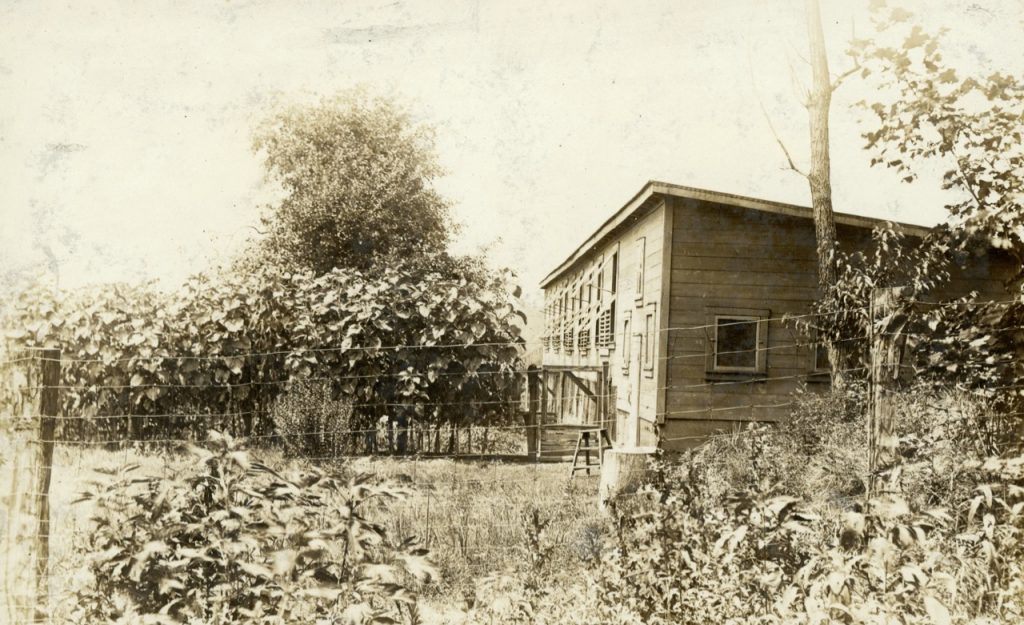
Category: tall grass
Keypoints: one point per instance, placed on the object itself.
(470, 514)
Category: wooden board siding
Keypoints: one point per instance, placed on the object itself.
(652, 230)
(729, 257)
(704, 251)
(650, 226)
(679, 435)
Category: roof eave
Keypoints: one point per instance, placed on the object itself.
(605, 229)
(654, 187)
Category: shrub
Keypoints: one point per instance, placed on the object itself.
(684, 554)
(720, 536)
(235, 541)
(759, 556)
(144, 364)
(309, 422)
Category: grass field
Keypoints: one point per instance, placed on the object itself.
(470, 514)
(475, 517)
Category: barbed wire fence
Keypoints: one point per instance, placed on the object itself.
(38, 428)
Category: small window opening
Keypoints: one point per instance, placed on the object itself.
(736, 343)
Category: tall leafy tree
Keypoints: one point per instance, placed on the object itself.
(353, 288)
(927, 111)
(972, 125)
(934, 112)
(357, 175)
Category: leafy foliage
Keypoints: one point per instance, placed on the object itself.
(681, 557)
(146, 364)
(974, 125)
(690, 550)
(928, 113)
(352, 289)
(238, 542)
(357, 175)
(965, 341)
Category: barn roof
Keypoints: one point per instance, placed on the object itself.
(654, 190)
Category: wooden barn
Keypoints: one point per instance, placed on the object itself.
(664, 326)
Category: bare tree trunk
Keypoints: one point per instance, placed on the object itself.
(819, 175)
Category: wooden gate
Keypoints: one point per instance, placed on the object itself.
(568, 398)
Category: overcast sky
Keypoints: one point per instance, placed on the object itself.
(125, 126)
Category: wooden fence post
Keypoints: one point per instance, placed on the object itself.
(542, 418)
(560, 398)
(887, 322)
(29, 403)
(533, 400)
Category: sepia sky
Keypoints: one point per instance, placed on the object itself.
(125, 126)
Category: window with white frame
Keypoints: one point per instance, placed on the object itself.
(583, 341)
(606, 327)
(737, 340)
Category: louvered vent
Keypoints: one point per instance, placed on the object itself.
(583, 341)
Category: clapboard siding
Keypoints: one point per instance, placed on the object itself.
(651, 227)
(725, 276)
(728, 257)
(690, 366)
(682, 434)
(700, 254)
(762, 293)
(746, 251)
(774, 264)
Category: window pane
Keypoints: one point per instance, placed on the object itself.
(737, 343)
